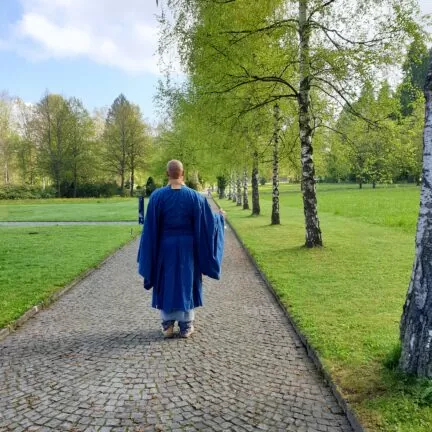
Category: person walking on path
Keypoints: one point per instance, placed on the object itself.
(182, 239)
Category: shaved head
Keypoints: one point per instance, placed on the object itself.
(174, 169)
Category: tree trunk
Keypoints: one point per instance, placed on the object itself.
(313, 231)
(416, 322)
(75, 179)
(373, 185)
(239, 190)
(360, 185)
(245, 191)
(275, 216)
(132, 182)
(121, 182)
(6, 172)
(229, 195)
(234, 188)
(255, 191)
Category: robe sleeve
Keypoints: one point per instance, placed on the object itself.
(211, 232)
(147, 252)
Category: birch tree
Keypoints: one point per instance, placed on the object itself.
(275, 216)
(298, 50)
(416, 322)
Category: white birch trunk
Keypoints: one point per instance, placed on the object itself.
(416, 322)
(275, 216)
(229, 195)
(234, 188)
(245, 190)
(239, 190)
(313, 231)
(255, 192)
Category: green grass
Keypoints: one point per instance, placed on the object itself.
(37, 261)
(393, 206)
(60, 210)
(347, 297)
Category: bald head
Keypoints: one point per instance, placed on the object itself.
(175, 169)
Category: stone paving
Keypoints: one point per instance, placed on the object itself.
(96, 361)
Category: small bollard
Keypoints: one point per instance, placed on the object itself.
(141, 210)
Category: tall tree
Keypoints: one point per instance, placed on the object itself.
(81, 135)
(416, 322)
(301, 51)
(414, 74)
(52, 128)
(275, 215)
(138, 136)
(26, 150)
(6, 140)
(124, 135)
(115, 137)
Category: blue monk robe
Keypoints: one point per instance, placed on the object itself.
(181, 240)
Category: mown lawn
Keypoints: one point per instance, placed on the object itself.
(56, 210)
(347, 297)
(36, 261)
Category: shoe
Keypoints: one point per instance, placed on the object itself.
(187, 333)
(169, 332)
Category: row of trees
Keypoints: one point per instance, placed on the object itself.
(58, 142)
(294, 86)
(300, 83)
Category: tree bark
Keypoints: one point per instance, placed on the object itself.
(255, 191)
(275, 216)
(234, 188)
(75, 179)
(245, 190)
(416, 322)
(132, 181)
(239, 190)
(313, 231)
(229, 195)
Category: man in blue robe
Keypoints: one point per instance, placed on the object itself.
(182, 239)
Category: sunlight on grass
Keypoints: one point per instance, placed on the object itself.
(88, 209)
(347, 297)
(36, 261)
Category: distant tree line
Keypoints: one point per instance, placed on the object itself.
(57, 148)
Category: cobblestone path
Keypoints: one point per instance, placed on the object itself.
(95, 361)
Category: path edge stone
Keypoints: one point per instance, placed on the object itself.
(30, 313)
(312, 353)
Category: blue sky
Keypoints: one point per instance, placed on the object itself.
(91, 49)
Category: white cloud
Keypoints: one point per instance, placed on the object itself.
(122, 34)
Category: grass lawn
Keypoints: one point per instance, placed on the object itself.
(347, 297)
(36, 261)
(87, 209)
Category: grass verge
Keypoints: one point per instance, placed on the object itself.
(347, 297)
(61, 210)
(37, 261)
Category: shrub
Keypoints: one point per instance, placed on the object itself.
(26, 192)
(150, 186)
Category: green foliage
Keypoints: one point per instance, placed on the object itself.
(25, 192)
(89, 190)
(414, 71)
(150, 186)
(222, 182)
